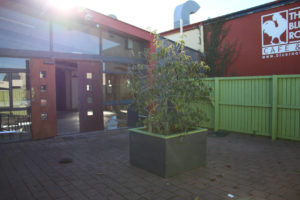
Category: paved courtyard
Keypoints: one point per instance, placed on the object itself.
(241, 166)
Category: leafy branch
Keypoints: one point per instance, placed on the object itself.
(169, 95)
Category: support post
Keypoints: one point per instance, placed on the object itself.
(274, 106)
(217, 102)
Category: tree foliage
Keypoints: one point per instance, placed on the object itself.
(220, 53)
(169, 94)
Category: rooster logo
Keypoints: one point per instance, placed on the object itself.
(275, 28)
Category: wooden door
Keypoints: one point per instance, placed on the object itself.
(43, 98)
(90, 96)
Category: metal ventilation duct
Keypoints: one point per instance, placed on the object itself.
(183, 12)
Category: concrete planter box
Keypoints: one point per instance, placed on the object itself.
(167, 156)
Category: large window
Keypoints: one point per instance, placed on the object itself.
(14, 88)
(75, 38)
(20, 31)
(4, 90)
(20, 94)
(115, 116)
(116, 45)
(116, 83)
(116, 94)
(12, 63)
(14, 95)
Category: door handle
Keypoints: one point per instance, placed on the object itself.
(32, 94)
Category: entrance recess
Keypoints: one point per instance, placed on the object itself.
(90, 95)
(66, 80)
(43, 98)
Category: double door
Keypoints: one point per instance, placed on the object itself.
(43, 97)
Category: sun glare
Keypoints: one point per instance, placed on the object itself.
(63, 5)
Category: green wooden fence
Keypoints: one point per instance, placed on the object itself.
(258, 105)
(19, 98)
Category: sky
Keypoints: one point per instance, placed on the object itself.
(158, 14)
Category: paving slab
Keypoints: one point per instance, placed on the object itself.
(96, 166)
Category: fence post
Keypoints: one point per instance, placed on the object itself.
(217, 101)
(274, 106)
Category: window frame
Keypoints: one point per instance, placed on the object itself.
(115, 102)
(10, 71)
(125, 37)
(52, 21)
(18, 53)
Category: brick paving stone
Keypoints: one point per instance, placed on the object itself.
(142, 198)
(132, 196)
(258, 193)
(90, 193)
(183, 193)
(275, 197)
(168, 195)
(245, 166)
(64, 198)
(68, 188)
(148, 195)
(43, 196)
(139, 190)
(292, 194)
(120, 189)
(7, 196)
(75, 195)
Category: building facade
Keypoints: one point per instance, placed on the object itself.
(266, 38)
(71, 65)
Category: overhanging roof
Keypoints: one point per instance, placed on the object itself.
(78, 12)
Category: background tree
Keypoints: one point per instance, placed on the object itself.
(220, 53)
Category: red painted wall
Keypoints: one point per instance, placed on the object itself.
(247, 32)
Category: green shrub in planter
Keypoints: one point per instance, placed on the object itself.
(168, 91)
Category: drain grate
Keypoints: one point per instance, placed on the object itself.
(65, 161)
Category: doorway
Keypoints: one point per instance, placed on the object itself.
(66, 97)
(66, 78)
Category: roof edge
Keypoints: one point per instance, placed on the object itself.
(248, 11)
(233, 15)
(185, 28)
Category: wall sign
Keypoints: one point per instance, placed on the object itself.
(281, 33)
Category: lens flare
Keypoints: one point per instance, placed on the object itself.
(63, 5)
